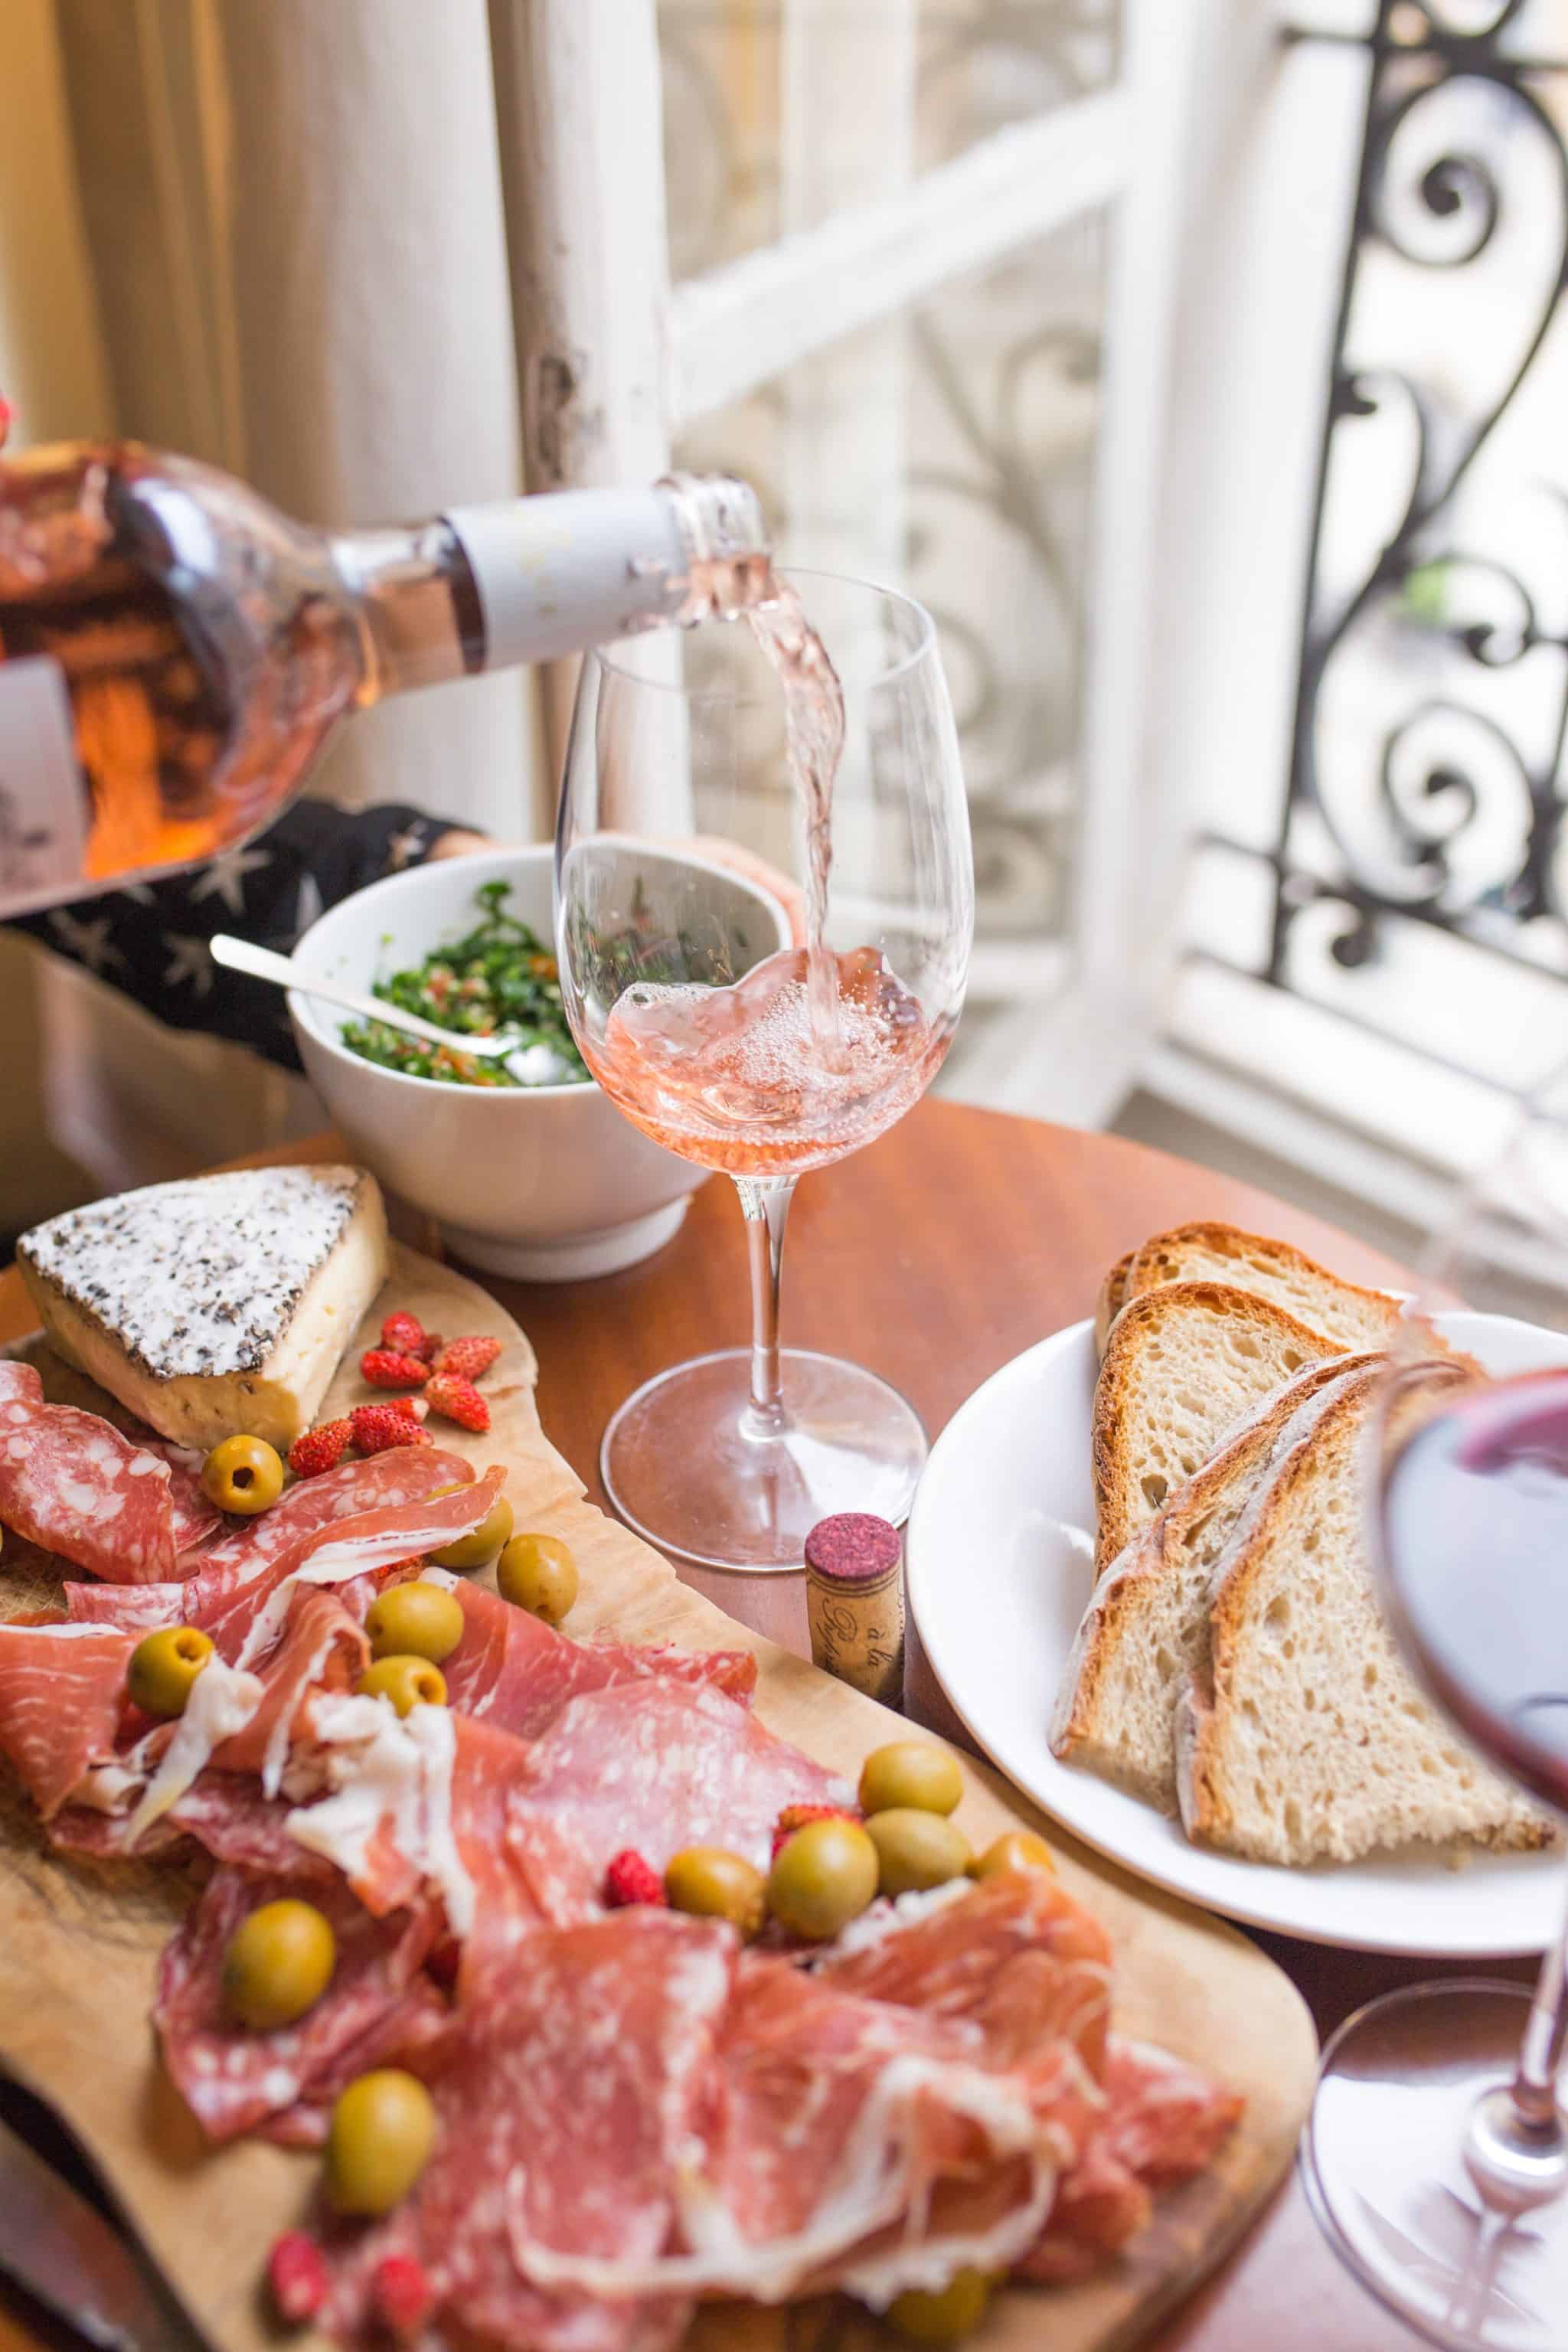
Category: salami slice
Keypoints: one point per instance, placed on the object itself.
(655, 1766)
(196, 1523)
(71, 1483)
(513, 1670)
(542, 2157)
(379, 2008)
(62, 1692)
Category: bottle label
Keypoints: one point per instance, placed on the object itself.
(43, 815)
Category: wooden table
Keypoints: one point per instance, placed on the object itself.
(949, 1246)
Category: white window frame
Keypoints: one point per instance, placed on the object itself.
(613, 361)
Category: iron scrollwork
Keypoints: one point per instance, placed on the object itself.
(1448, 811)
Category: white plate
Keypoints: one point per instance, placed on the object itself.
(999, 1573)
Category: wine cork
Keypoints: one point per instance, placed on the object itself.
(855, 1602)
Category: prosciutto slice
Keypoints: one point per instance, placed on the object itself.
(379, 2007)
(62, 1692)
(72, 1485)
(545, 2153)
(1162, 2123)
(280, 1541)
(513, 1670)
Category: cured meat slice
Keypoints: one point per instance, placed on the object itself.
(1162, 2123)
(902, 2111)
(543, 2157)
(1015, 1955)
(378, 2007)
(20, 1383)
(389, 1520)
(62, 1691)
(224, 1811)
(71, 1483)
(655, 1766)
(322, 1649)
(511, 1832)
(515, 1671)
(196, 1523)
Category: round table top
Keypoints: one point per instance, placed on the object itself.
(935, 1257)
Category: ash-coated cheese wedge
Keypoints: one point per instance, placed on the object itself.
(217, 1304)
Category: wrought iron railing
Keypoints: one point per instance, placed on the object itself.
(1445, 808)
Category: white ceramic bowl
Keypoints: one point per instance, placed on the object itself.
(547, 1183)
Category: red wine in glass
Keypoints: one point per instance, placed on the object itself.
(1475, 1545)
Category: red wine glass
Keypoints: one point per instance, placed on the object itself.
(686, 850)
(1437, 2154)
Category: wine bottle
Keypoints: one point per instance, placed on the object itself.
(175, 653)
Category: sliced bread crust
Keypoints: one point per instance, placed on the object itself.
(1304, 1738)
(1144, 1635)
(1181, 1363)
(1342, 1310)
(1112, 1298)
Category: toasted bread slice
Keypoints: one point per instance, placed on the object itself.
(1144, 1635)
(1181, 1363)
(1217, 1253)
(1304, 1738)
(1112, 1298)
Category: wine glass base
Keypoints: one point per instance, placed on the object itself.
(1382, 2160)
(684, 1467)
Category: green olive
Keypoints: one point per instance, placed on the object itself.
(279, 1963)
(379, 2141)
(477, 1550)
(910, 1772)
(415, 1620)
(945, 2316)
(715, 1884)
(1013, 1850)
(538, 1574)
(916, 1850)
(822, 1878)
(164, 1666)
(243, 1474)
(408, 1682)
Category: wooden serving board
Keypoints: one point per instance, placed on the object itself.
(80, 1953)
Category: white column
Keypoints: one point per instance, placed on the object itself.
(579, 104)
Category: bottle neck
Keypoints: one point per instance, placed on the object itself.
(529, 579)
(415, 606)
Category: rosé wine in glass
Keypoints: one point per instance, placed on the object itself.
(813, 756)
(740, 1079)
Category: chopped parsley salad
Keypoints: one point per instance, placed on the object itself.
(500, 976)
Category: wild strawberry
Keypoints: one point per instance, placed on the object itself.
(377, 1427)
(400, 2293)
(796, 1817)
(629, 1879)
(319, 1449)
(297, 2275)
(385, 1369)
(456, 1399)
(414, 1406)
(430, 1348)
(467, 1357)
(404, 1334)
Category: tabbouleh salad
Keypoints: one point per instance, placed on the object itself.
(500, 976)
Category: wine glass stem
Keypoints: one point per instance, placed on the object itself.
(765, 1204)
(1541, 2052)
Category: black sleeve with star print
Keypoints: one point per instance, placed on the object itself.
(152, 939)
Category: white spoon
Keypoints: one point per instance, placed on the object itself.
(262, 963)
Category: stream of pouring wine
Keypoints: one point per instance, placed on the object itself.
(814, 744)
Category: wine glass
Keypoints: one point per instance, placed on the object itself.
(1437, 2154)
(684, 869)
